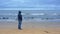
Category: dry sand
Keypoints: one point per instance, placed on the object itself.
(8, 28)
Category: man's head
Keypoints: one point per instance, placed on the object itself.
(19, 11)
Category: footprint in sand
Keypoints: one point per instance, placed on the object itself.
(46, 31)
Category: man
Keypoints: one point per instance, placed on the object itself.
(19, 20)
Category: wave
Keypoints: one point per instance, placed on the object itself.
(28, 14)
(37, 14)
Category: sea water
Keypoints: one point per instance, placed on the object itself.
(38, 15)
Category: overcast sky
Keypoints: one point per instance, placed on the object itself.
(30, 4)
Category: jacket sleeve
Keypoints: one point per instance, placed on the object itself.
(21, 17)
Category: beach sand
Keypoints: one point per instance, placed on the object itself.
(30, 31)
(28, 27)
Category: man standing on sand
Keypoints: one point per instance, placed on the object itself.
(19, 20)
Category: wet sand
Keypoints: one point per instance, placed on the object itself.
(29, 27)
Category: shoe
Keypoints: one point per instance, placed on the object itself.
(19, 28)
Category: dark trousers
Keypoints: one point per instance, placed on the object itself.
(19, 24)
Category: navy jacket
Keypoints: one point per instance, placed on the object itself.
(19, 17)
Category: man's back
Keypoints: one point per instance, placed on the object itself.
(20, 17)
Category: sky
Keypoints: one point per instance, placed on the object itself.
(42, 4)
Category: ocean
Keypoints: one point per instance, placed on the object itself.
(42, 15)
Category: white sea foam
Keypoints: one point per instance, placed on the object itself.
(37, 14)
